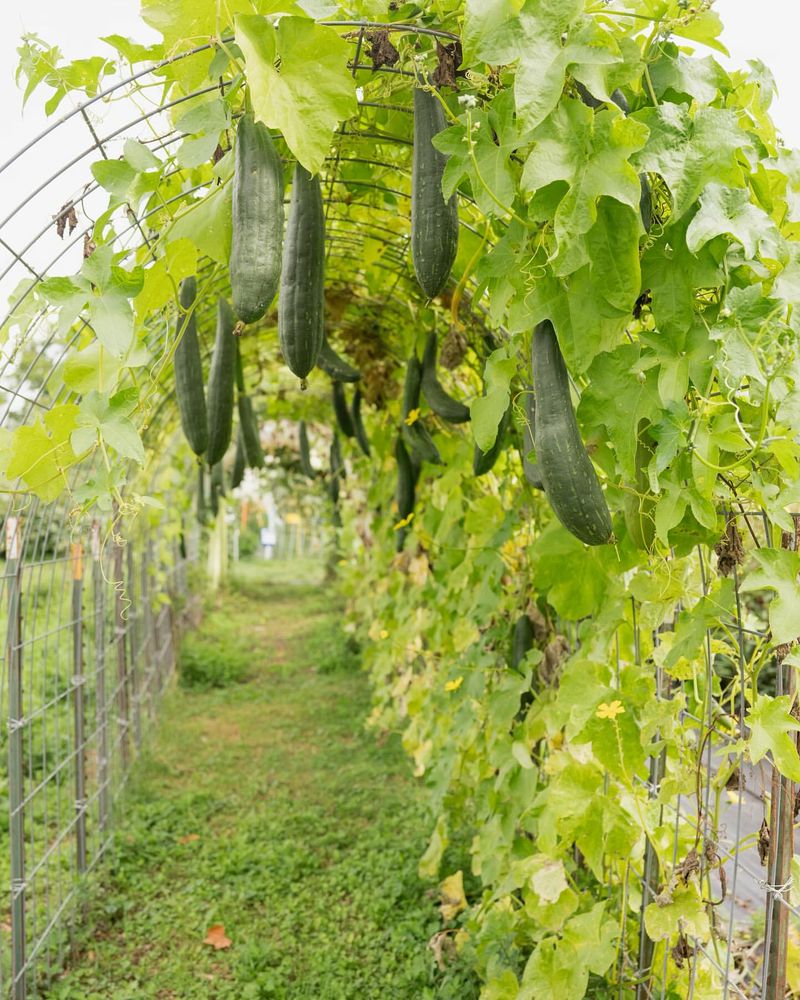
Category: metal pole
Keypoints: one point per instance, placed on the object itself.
(134, 633)
(781, 821)
(16, 791)
(78, 691)
(122, 667)
(101, 707)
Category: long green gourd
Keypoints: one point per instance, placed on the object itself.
(335, 365)
(301, 308)
(434, 221)
(441, 402)
(358, 423)
(189, 389)
(343, 418)
(257, 221)
(221, 381)
(248, 425)
(568, 476)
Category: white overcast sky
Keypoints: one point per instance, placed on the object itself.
(766, 30)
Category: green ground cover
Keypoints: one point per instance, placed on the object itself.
(264, 806)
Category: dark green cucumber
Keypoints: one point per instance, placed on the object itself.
(220, 385)
(442, 404)
(334, 365)
(412, 386)
(189, 389)
(420, 442)
(257, 221)
(239, 464)
(434, 221)
(531, 470)
(217, 487)
(337, 469)
(569, 479)
(358, 423)
(201, 494)
(592, 102)
(523, 640)
(248, 426)
(406, 483)
(483, 461)
(646, 203)
(301, 308)
(639, 503)
(305, 451)
(343, 418)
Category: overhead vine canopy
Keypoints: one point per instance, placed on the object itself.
(617, 193)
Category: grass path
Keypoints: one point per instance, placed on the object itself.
(265, 807)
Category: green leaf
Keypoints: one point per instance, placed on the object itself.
(613, 245)
(207, 224)
(590, 154)
(92, 368)
(678, 75)
(618, 398)
(771, 721)
(684, 913)
(560, 968)
(778, 571)
(305, 104)
(111, 318)
(41, 453)
(690, 632)
(691, 152)
(162, 279)
(673, 273)
(729, 211)
(492, 31)
(116, 176)
(139, 157)
(487, 411)
(706, 27)
(110, 418)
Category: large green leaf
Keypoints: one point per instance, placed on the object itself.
(589, 154)
(691, 151)
(771, 722)
(299, 81)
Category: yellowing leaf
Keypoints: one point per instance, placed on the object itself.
(453, 898)
(41, 453)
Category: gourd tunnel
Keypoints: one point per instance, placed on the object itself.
(503, 301)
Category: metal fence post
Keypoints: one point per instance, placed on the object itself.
(79, 706)
(134, 634)
(16, 791)
(122, 666)
(781, 839)
(101, 706)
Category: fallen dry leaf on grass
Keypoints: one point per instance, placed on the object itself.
(216, 937)
(188, 838)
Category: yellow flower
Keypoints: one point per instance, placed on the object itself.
(454, 685)
(405, 522)
(610, 711)
(413, 417)
(384, 634)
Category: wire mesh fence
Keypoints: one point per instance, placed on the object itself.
(90, 635)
